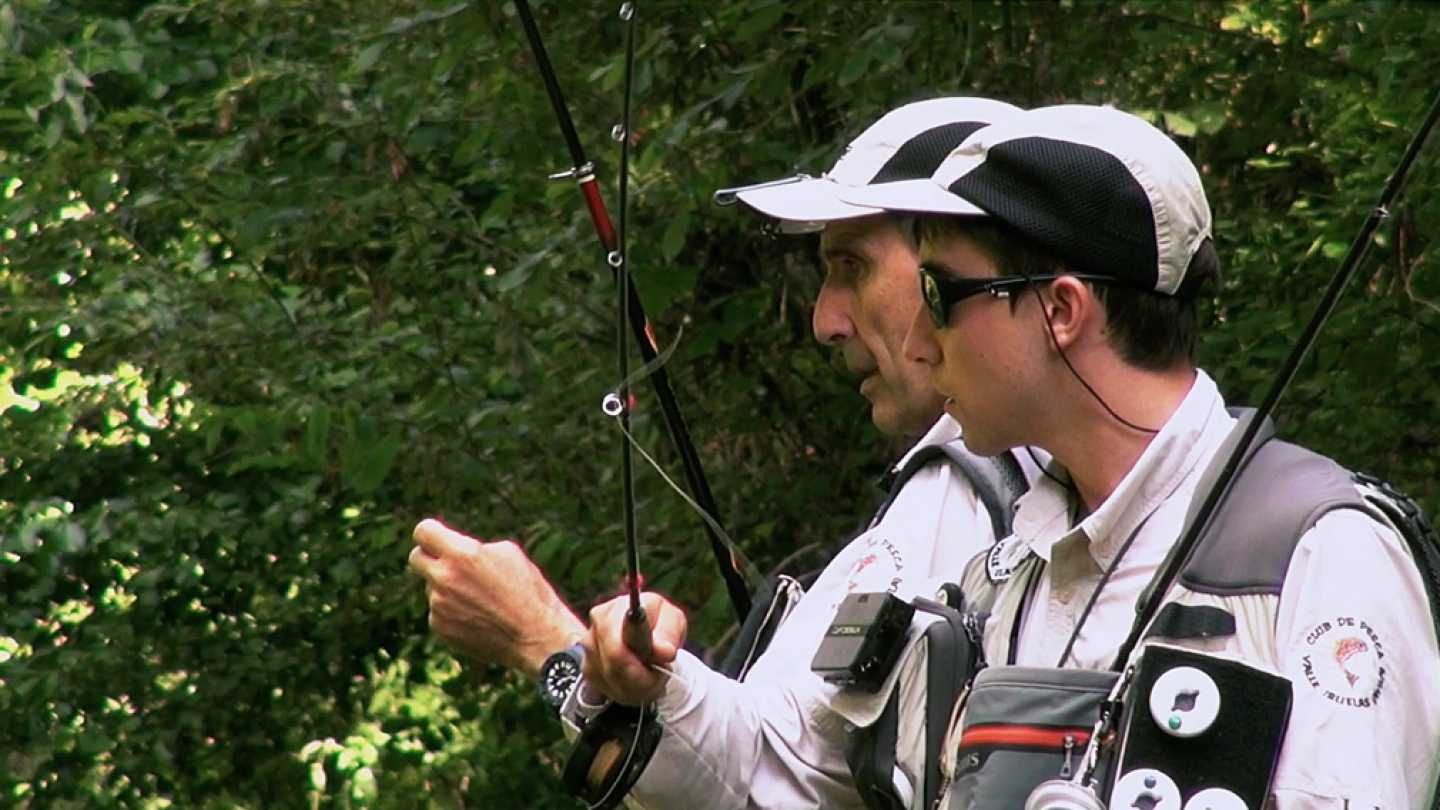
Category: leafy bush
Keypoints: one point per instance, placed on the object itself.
(281, 278)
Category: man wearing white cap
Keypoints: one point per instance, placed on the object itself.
(1061, 254)
(773, 739)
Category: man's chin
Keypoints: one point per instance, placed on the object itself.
(980, 447)
(883, 424)
(901, 423)
(884, 418)
(871, 386)
(977, 440)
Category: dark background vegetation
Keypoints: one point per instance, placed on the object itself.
(280, 277)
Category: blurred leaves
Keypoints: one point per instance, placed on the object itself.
(279, 279)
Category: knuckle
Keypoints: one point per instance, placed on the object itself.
(505, 551)
(441, 578)
(599, 620)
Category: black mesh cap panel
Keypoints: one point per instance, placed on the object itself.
(922, 154)
(1078, 201)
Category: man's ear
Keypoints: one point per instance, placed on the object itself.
(1072, 310)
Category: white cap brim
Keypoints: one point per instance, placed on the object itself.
(804, 206)
(923, 196)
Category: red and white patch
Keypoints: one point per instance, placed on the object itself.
(1344, 660)
(876, 568)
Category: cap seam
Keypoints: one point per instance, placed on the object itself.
(1160, 214)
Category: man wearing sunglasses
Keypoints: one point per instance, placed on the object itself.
(771, 739)
(1062, 253)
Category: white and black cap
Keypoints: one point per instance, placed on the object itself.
(1102, 189)
(907, 143)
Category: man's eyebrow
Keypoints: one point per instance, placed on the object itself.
(840, 250)
(937, 266)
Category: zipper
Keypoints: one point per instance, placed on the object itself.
(1066, 769)
(1007, 735)
(949, 755)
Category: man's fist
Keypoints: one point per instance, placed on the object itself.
(613, 667)
(489, 601)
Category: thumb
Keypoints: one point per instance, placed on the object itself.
(441, 540)
(663, 650)
(668, 633)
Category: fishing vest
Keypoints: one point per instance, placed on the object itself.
(895, 756)
(1237, 570)
(997, 482)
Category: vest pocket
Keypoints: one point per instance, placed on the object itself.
(1022, 726)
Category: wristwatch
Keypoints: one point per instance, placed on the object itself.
(559, 674)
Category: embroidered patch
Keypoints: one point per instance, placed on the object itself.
(880, 559)
(1000, 560)
(1345, 662)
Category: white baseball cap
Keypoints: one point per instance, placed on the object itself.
(907, 143)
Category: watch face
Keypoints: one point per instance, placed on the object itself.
(558, 676)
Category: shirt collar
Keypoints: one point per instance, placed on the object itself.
(944, 430)
(1188, 437)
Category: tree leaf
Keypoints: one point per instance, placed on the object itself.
(370, 55)
(131, 60)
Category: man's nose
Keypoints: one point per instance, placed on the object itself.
(920, 345)
(831, 321)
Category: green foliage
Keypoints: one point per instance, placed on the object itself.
(280, 278)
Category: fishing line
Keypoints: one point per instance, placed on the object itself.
(618, 395)
(746, 568)
(609, 794)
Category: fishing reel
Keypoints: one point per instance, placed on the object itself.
(611, 752)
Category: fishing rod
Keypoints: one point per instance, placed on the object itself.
(633, 314)
(636, 633)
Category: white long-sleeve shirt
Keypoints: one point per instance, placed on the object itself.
(774, 740)
(1351, 629)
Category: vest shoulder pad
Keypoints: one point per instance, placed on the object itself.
(1282, 491)
(997, 481)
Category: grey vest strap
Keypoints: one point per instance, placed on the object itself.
(1278, 497)
(998, 481)
(1280, 493)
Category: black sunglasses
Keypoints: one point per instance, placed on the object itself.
(942, 292)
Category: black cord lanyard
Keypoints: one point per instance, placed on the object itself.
(1033, 585)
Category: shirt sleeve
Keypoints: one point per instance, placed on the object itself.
(776, 740)
(729, 745)
(1354, 634)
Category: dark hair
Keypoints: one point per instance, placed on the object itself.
(1150, 330)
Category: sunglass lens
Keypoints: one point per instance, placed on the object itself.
(930, 291)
